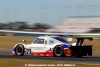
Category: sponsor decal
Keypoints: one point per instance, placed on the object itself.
(35, 54)
(68, 50)
(51, 42)
(28, 51)
(47, 55)
(51, 49)
(37, 48)
(41, 54)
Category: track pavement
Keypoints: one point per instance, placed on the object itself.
(87, 60)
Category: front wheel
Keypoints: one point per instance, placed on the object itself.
(58, 51)
(19, 50)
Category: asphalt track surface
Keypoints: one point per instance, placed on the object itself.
(88, 60)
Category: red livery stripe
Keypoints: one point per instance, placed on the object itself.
(42, 53)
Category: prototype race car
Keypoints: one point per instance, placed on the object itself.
(52, 46)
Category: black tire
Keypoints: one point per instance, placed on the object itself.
(19, 50)
(58, 51)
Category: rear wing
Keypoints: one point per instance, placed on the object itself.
(89, 38)
(80, 40)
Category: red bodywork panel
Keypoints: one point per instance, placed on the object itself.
(67, 52)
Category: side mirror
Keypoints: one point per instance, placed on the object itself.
(24, 41)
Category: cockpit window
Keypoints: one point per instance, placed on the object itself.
(39, 41)
(60, 39)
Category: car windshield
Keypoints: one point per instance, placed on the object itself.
(39, 41)
(60, 39)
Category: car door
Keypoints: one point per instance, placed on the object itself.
(38, 45)
(48, 45)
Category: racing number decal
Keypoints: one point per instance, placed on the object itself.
(28, 51)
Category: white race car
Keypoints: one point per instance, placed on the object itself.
(50, 46)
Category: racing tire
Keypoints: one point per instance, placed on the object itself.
(58, 51)
(19, 50)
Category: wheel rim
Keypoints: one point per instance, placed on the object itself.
(58, 51)
(19, 49)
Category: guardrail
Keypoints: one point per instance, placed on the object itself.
(26, 33)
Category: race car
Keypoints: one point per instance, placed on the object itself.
(55, 46)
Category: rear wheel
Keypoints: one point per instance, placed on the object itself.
(19, 50)
(58, 51)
